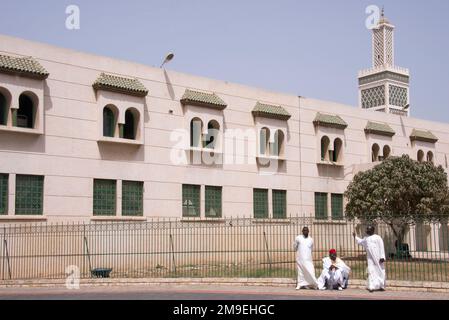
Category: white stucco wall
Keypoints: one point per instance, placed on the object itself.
(70, 156)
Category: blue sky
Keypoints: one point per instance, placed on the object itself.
(307, 48)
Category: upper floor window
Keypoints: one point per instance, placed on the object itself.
(337, 152)
(196, 129)
(386, 151)
(264, 137)
(277, 147)
(420, 156)
(109, 120)
(375, 152)
(332, 152)
(430, 156)
(131, 120)
(211, 140)
(3, 109)
(325, 142)
(25, 115)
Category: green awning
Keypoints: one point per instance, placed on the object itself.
(119, 84)
(23, 66)
(270, 111)
(202, 99)
(379, 128)
(327, 120)
(421, 135)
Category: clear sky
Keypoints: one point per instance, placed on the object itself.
(308, 48)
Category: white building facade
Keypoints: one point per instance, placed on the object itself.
(90, 138)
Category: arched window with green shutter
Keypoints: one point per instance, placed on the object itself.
(3, 110)
(108, 122)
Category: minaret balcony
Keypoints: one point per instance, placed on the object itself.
(379, 69)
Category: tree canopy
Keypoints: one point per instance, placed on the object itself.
(399, 191)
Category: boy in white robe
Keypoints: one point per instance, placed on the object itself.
(335, 274)
(304, 262)
(375, 254)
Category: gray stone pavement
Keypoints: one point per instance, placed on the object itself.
(206, 292)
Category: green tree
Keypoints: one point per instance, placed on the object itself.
(400, 192)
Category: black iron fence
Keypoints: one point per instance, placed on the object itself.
(217, 248)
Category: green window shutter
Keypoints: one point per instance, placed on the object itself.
(337, 206)
(213, 201)
(29, 194)
(3, 110)
(320, 205)
(190, 200)
(132, 198)
(104, 197)
(279, 204)
(3, 194)
(260, 203)
(108, 122)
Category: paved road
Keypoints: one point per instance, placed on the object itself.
(206, 292)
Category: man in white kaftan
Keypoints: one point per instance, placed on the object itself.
(335, 274)
(304, 262)
(375, 254)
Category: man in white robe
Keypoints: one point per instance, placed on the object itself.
(375, 254)
(335, 274)
(304, 262)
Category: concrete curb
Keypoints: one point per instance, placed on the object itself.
(394, 285)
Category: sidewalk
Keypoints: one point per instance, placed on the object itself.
(211, 288)
(206, 292)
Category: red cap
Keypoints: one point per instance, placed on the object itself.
(332, 251)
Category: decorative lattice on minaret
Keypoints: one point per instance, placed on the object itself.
(384, 87)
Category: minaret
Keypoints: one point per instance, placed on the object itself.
(384, 87)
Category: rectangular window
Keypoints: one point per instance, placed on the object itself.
(105, 197)
(279, 204)
(3, 193)
(132, 198)
(190, 200)
(337, 206)
(260, 203)
(320, 205)
(213, 201)
(29, 194)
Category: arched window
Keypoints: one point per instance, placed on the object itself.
(196, 129)
(277, 148)
(130, 128)
(420, 156)
(386, 152)
(213, 129)
(264, 137)
(108, 122)
(337, 156)
(26, 112)
(375, 152)
(430, 156)
(3, 109)
(325, 148)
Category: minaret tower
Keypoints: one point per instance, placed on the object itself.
(384, 87)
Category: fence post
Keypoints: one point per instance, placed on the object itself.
(266, 248)
(6, 252)
(3, 254)
(88, 254)
(172, 249)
